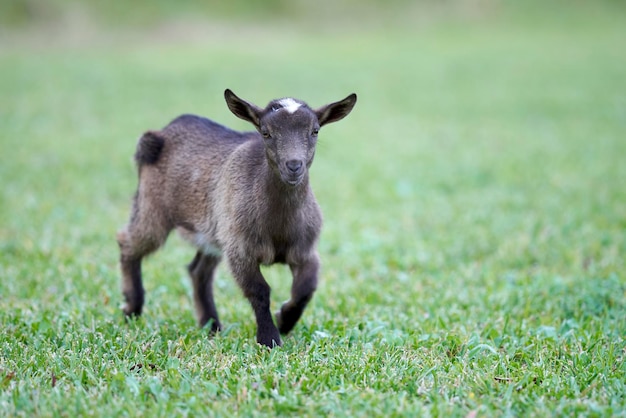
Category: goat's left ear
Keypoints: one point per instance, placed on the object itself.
(335, 111)
(242, 109)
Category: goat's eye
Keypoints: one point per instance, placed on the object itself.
(315, 131)
(266, 134)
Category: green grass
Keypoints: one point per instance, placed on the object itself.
(475, 222)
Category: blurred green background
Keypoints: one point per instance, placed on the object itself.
(474, 207)
(119, 12)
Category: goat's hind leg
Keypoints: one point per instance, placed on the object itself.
(305, 277)
(137, 240)
(202, 271)
(132, 287)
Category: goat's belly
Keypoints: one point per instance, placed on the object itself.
(275, 252)
(200, 241)
(265, 254)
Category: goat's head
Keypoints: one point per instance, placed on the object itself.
(289, 128)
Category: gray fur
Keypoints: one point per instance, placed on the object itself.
(242, 196)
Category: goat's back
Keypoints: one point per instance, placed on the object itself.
(180, 166)
(190, 136)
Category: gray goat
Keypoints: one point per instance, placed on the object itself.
(245, 196)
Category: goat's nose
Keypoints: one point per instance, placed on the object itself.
(294, 166)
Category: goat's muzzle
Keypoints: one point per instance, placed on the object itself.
(294, 172)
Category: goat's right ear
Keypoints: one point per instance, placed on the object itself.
(242, 109)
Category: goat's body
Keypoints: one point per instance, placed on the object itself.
(202, 179)
(227, 194)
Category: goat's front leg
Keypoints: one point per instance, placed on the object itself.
(257, 291)
(305, 277)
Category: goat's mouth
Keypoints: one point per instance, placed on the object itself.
(293, 180)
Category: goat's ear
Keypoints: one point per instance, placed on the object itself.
(242, 109)
(335, 111)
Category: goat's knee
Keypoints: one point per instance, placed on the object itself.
(305, 279)
(291, 311)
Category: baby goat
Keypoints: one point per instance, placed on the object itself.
(245, 196)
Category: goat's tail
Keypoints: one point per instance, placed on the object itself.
(149, 148)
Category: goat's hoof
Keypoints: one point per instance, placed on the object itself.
(130, 312)
(272, 344)
(269, 341)
(213, 325)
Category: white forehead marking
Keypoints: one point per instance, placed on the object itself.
(289, 104)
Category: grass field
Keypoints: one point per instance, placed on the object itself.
(474, 203)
